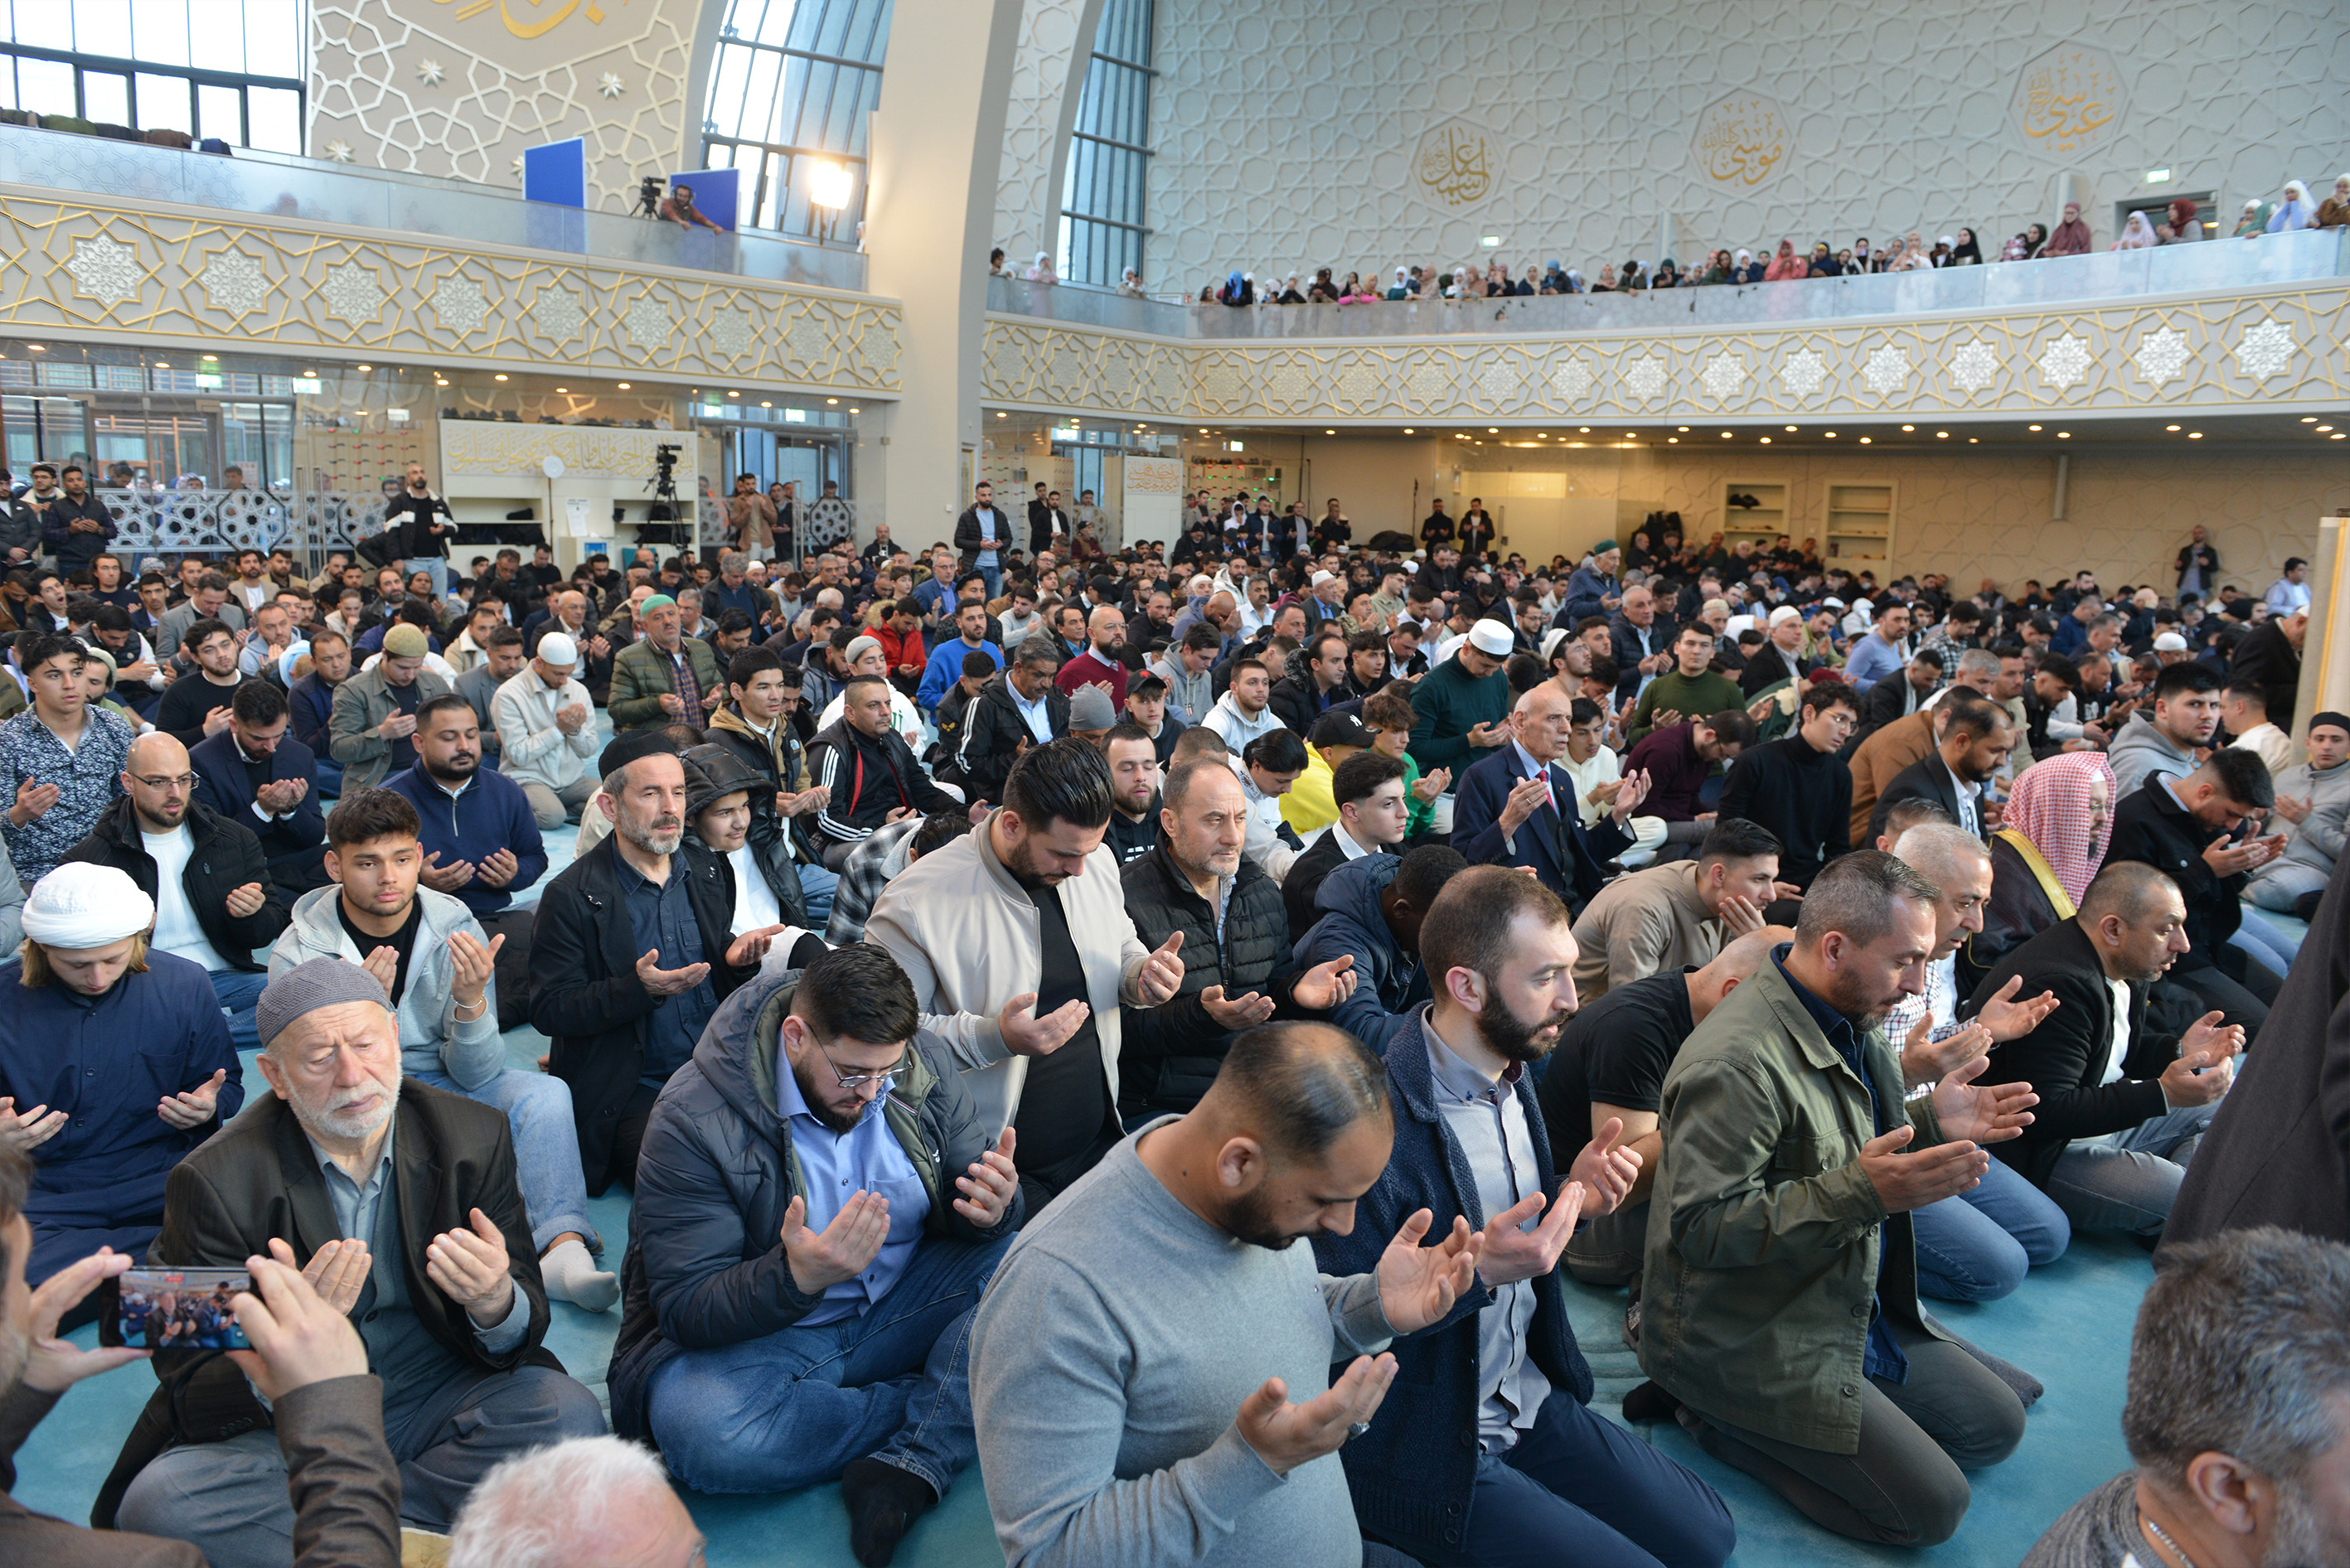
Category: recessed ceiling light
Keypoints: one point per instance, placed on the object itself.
(2032, 427)
(1941, 435)
(1585, 429)
(2174, 426)
(1204, 429)
(1831, 435)
(765, 404)
(622, 385)
(1970, 440)
(1492, 430)
(1407, 430)
(1908, 427)
(2194, 435)
(2063, 435)
(832, 400)
(39, 348)
(1791, 430)
(1325, 433)
(367, 367)
(212, 356)
(166, 364)
(1725, 435)
(1766, 440)
(1000, 415)
(857, 410)
(562, 389)
(1863, 440)
(2335, 436)
(2306, 418)
(2325, 426)
(501, 375)
(1673, 441)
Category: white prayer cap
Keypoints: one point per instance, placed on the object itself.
(556, 647)
(80, 905)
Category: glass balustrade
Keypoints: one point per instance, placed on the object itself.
(419, 205)
(2207, 267)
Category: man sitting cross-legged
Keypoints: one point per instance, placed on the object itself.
(427, 952)
(399, 1201)
(818, 1208)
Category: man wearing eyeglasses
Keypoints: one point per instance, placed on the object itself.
(216, 902)
(810, 1115)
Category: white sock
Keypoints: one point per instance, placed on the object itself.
(571, 1275)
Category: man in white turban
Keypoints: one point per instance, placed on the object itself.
(114, 1063)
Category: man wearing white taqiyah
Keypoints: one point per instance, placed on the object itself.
(546, 732)
(96, 1025)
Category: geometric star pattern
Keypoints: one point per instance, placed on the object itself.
(2264, 350)
(2161, 355)
(1724, 375)
(557, 313)
(1571, 379)
(107, 270)
(1644, 378)
(353, 292)
(1974, 367)
(1803, 371)
(1886, 369)
(647, 321)
(2064, 362)
(235, 283)
(460, 304)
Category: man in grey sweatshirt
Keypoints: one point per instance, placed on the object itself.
(1150, 1367)
(2186, 714)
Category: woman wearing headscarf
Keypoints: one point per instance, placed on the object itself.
(1890, 258)
(1129, 283)
(1289, 293)
(1322, 291)
(1606, 284)
(2049, 844)
(1940, 255)
(2071, 237)
(1718, 269)
(1744, 268)
(1574, 283)
(1528, 285)
(2254, 216)
(1966, 253)
(1238, 290)
(2334, 212)
(2293, 213)
(1041, 270)
(1668, 275)
(2036, 240)
(2180, 223)
(2138, 234)
(1822, 264)
(1862, 260)
(1785, 265)
(1401, 287)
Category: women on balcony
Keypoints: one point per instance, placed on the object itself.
(2294, 212)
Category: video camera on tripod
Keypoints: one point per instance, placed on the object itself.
(649, 198)
(664, 485)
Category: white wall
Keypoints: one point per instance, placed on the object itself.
(1290, 133)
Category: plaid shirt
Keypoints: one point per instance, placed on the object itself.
(88, 779)
(863, 878)
(1938, 1000)
(681, 671)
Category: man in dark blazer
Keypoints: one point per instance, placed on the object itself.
(1974, 746)
(1506, 808)
(2195, 830)
(623, 1006)
(255, 771)
(2118, 1102)
(403, 1198)
(2270, 657)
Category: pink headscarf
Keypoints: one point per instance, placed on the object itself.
(2051, 807)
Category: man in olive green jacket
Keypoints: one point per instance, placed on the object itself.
(645, 691)
(1781, 1298)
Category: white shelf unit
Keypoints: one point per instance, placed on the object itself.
(1860, 527)
(1762, 522)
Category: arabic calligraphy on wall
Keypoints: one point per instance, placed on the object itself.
(1742, 140)
(2069, 98)
(1454, 164)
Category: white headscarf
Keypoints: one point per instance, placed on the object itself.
(2138, 234)
(2294, 212)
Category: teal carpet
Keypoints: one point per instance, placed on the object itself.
(2069, 1325)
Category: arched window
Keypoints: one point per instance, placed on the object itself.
(1109, 151)
(790, 87)
(234, 69)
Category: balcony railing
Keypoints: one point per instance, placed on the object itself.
(274, 185)
(2207, 267)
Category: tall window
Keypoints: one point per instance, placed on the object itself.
(235, 69)
(789, 92)
(1109, 152)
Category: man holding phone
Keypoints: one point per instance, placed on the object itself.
(405, 1214)
(306, 1357)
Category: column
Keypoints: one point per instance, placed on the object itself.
(935, 144)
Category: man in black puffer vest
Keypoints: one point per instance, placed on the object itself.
(1237, 972)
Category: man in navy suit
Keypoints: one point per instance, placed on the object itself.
(254, 773)
(1505, 810)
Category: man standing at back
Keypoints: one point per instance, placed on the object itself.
(979, 534)
(1151, 1366)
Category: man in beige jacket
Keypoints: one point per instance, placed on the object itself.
(1679, 915)
(1018, 944)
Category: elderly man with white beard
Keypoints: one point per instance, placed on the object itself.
(399, 1203)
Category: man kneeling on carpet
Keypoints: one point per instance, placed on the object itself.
(398, 1202)
(431, 955)
(818, 1210)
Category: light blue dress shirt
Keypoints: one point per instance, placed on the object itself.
(836, 1165)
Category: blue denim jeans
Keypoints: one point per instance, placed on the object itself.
(436, 565)
(2265, 943)
(546, 1149)
(239, 995)
(817, 885)
(1977, 1246)
(2127, 1180)
(791, 1408)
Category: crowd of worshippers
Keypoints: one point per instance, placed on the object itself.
(952, 972)
(2178, 221)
